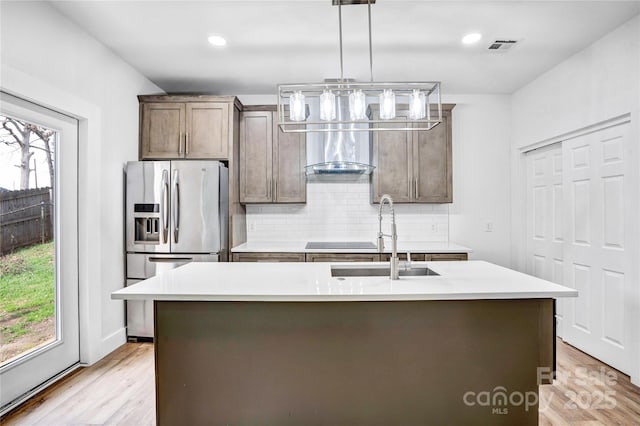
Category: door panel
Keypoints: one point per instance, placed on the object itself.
(289, 158)
(256, 147)
(432, 163)
(147, 206)
(195, 207)
(392, 157)
(207, 130)
(598, 254)
(162, 130)
(24, 374)
(544, 220)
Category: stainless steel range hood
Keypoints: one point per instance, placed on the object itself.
(343, 151)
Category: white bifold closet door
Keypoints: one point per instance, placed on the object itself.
(545, 220)
(580, 207)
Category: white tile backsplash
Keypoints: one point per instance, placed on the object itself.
(341, 211)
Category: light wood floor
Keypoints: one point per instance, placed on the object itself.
(120, 390)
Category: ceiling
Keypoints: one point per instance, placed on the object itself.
(275, 41)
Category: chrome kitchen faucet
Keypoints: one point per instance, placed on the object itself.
(393, 267)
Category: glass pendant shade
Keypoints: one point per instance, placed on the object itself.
(417, 106)
(357, 105)
(327, 106)
(297, 107)
(387, 105)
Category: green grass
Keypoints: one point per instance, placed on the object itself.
(26, 289)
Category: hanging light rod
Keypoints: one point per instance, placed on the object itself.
(372, 106)
(348, 2)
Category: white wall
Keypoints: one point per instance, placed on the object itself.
(481, 185)
(595, 85)
(49, 60)
(480, 193)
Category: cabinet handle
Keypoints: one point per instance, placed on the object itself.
(269, 189)
(186, 143)
(417, 194)
(275, 191)
(180, 144)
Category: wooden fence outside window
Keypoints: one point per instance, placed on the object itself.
(25, 218)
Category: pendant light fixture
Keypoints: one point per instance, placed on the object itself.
(297, 106)
(327, 106)
(372, 103)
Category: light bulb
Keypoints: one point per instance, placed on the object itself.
(387, 105)
(297, 107)
(417, 108)
(471, 38)
(357, 105)
(327, 106)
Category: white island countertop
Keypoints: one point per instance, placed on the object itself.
(312, 282)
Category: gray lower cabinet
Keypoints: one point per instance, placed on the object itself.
(271, 161)
(413, 166)
(420, 257)
(446, 256)
(342, 257)
(268, 257)
(415, 257)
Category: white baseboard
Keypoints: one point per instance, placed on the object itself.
(113, 341)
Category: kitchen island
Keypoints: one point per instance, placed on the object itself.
(288, 343)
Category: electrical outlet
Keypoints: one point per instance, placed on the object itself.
(252, 226)
(488, 227)
(434, 227)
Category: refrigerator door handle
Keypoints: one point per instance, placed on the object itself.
(165, 206)
(170, 259)
(176, 206)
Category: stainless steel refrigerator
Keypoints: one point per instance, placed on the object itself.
(176, 213)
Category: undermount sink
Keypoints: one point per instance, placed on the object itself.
(380, 271)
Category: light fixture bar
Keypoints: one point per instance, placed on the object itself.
(350, 2)
(403, 92)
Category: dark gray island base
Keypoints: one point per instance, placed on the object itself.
(436, 362)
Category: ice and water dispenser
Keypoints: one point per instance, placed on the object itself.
(147, 223)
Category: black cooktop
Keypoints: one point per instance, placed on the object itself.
(340, 245)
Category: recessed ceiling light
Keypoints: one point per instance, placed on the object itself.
(217, 41)
(471, 38)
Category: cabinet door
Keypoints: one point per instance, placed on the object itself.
(268, 257)
(256, 145)
(392, 153)
(432, 163)
(342, 257)
(446, 256)
(289, 158)
(415, 257)
(162, 130)
(207, 127)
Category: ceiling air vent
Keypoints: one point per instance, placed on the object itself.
(502, 44)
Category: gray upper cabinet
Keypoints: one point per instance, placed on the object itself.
(414, 166)
(256, 164)
(193, 127)
(271, 162)
(393, 173)
(161, 129)
(207, 130)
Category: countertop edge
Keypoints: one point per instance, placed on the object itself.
(342, 298)
(299, 247)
